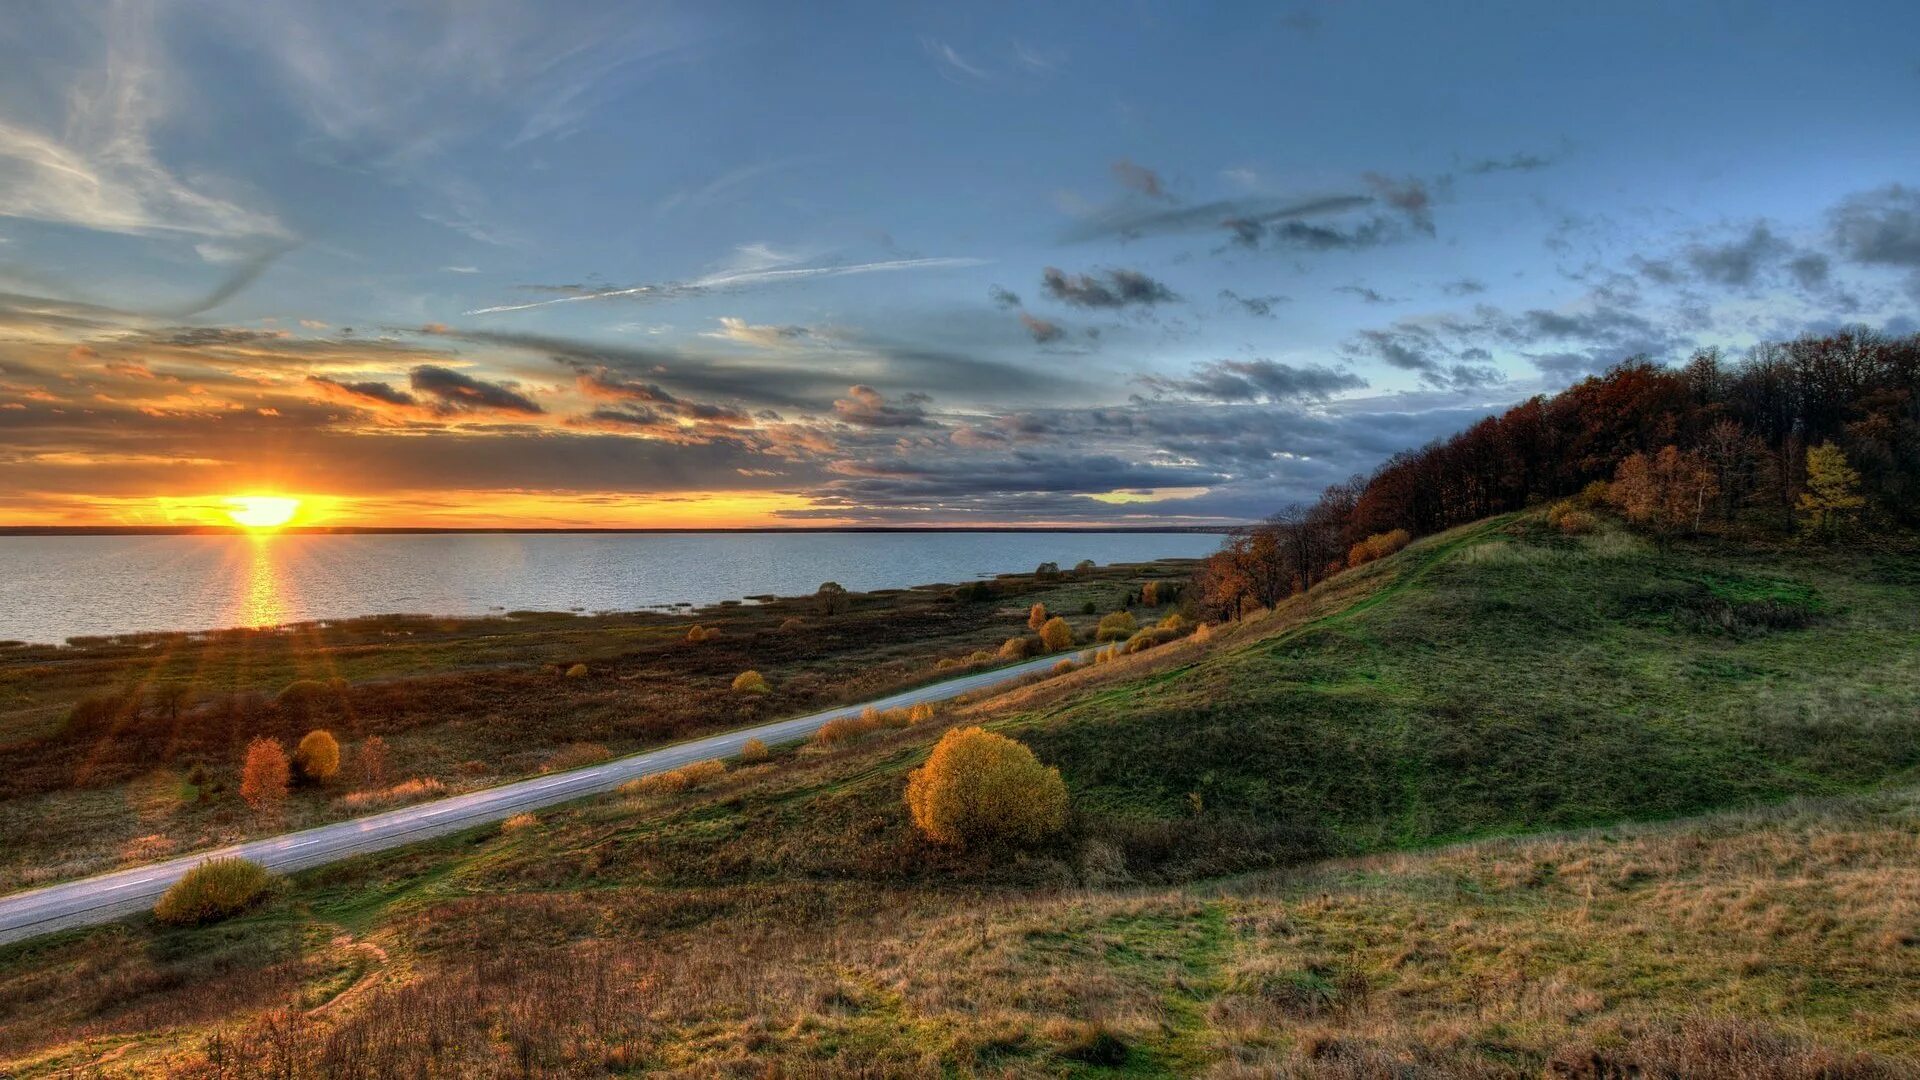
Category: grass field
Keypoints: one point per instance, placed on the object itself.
(1441, 816)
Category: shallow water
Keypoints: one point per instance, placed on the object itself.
(56, 587)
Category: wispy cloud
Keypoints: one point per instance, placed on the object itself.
(736, 279)
(953, 65)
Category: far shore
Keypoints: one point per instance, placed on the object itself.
(384, 530)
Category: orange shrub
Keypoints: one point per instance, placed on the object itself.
(978, 787)
(519, 823)
(1055, 634)
(1378, 546)
(750, 682)
(1065, 667)
(696, 634)
(790, 625)
(753, 752)
(577, 671)
(1019, 648)
(1037, 617)
(266, 774)
(317, 757)
(404, 792)
(685, 778)
(1576, 523)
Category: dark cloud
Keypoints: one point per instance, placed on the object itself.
(1420, 349)
(1367, 295)
(1133, 221)
(1409, 196)
(1254, 305)
(461, 391)
(1105, 289)
(1740, 262)
(1515, 162)
(1463, 287)
(1881, 228)
(1042, 330)
(1139, 178)
(1003, 297)
(372, 393)
(1811, 270)
(866, 407)
(1258, 381)
(1302, 236)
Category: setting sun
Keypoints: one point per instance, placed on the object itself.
(261, 511)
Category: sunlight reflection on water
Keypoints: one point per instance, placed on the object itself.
(52, 588)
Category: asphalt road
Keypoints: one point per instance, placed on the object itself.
(106, 897)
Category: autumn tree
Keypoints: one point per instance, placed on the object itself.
(1037, 617)
(265, 775)
(317, 757)
(372, 761)
(1832, 501)
(1669, 490)
(832, 597)
(981, 788)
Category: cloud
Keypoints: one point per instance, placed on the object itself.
(1302, 236)
(1738, 262)
(953, 66)
(1366, 294)
(1515, 162)
(1254, 305)
(361, 393)
(1256, 381)
(1879, 227)
(1139, 178)
(1131, 220)
(456, 390)
(1042, 330)
(1417, 348)
(866, 407)
(1003, 297)
(742, 332)
(1810, 270)
(1117, 288)
(1409, 196)
(728, 280)
(1463, 287)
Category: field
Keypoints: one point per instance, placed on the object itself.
(122, 751)
(1507, 803)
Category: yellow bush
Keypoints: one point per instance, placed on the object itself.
(317, 757)
(212, 891)
(980, 656)
(753, 752)
(1055, 634)
(577, 671)
(1378, 546)
(948, 663)
(684, 778)
(750, 682)
(1201, 634)
(698, 634)
(1175, 622)
(1065, 667)
(978, 787)
(1118, 625)
(1019, 648)
(920, 713)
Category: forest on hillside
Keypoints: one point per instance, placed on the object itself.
(1816, 437)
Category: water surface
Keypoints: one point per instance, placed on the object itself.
(56, 587)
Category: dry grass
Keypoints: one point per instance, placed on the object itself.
(677, 781)
(407, 791)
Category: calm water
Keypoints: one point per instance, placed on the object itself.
(53, 588)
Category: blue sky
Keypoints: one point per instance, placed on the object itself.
(910, 263)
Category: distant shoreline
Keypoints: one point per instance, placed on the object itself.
(382, 530)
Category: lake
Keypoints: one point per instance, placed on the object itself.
(56, 587)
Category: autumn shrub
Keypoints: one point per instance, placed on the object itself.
(842, 728)
(979, 656)
(677, 781)
(750, 682)
(1065, 667)
(1175, 622)
(792, 625)
(302, 693)
(371, 761)
(1201, 634)
(697, 634)
(1116, 626)
(317, 757)
(981, 788)
(266, 773)
(1019, 648)
(519, 823)
(753, 752)
(575, 756)
(1577, 523)
(213, 890)
(406, 791)
(577, 671)
(1378, 546)
(1055, 634)
(1036, 617)
(948, 663)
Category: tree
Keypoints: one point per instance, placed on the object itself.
(1832, 500)
(1056, 634)
(1668, 491)
(1037, 617)
(981, 788)
(317, 757)
(265, 775)
(832, 597)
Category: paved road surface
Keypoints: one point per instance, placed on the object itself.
(107, 897)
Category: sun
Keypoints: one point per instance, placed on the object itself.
(262, 511)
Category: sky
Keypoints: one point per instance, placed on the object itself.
(492, 262)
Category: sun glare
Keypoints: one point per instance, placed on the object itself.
(261, 511)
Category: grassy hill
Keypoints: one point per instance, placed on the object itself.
(1257, 878)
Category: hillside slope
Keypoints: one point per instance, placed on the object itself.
(1497, 679)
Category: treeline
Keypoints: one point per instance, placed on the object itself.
(1817, 434)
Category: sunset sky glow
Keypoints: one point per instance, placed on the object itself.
(711, 265)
